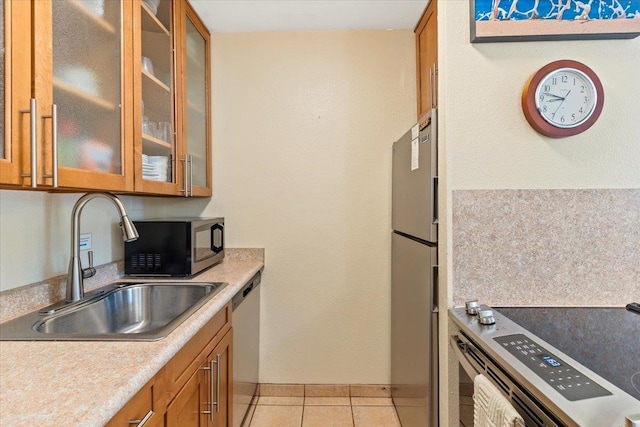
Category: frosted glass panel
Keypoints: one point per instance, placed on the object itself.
(2, 79)
(158, 145)
(87, 52)
(196, 104)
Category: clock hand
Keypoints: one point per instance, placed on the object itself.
(560, 105)
(550, 94)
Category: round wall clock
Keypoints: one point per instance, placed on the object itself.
(563, 98)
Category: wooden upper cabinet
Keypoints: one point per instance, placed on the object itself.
(195, 100)
(65, 116)
(93, 97)
(427, 58)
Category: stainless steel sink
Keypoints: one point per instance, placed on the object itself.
(118, 312)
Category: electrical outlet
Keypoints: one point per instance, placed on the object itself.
(85, 241)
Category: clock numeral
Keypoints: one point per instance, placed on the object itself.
(546, 88)
(586, 99)
(544, 108)
(574, 81)
(562, 119)
(541, 97)
(580, 110)
(573, 117)
(553, 115)
(565, 79)
(581, 89)
(554, 81)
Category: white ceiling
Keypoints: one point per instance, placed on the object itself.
(294, 15)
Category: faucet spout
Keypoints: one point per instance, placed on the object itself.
(75, 284)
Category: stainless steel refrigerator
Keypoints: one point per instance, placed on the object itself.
(414, 276)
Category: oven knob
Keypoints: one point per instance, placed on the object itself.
(633, 420)
(486, 317)
(472, 307)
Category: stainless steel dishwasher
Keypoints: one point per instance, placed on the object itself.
(246, 340)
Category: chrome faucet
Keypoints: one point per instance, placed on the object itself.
(76, 274)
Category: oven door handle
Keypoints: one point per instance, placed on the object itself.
(459, 347)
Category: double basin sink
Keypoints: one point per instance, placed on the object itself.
(117, 312)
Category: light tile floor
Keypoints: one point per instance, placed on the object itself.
(324, 412)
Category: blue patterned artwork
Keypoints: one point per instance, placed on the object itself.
(524, 20)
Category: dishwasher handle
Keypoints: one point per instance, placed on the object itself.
(245, 291)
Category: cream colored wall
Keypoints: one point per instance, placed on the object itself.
(35, 234)
(489, 143)
(303, 127)
(486, 143)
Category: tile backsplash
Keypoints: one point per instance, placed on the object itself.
(546, 247)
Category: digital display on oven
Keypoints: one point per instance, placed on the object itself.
(550, 360)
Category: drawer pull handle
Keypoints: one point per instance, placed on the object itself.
(142, 422)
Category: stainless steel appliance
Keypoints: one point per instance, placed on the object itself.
(246, 340)
(174, 247)
(414, 276)
(545, 385)
(605, 339)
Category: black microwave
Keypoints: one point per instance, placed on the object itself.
(174, 247)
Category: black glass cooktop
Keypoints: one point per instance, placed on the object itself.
(606, 340)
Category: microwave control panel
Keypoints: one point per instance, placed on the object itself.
(568, 381)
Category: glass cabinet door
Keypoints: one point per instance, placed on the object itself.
(87, 81)
(156, 167)
(196, 110)
(87, 51)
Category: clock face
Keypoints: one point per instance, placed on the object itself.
(566, 97)
(563, 98)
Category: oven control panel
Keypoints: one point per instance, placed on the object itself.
(569, 382)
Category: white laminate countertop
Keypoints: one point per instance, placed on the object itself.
(54, 383)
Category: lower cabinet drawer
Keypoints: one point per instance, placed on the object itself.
(139, 411)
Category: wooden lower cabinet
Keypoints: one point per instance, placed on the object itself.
(189, 407)
(196, 381)
(221, 359)
(206, 398)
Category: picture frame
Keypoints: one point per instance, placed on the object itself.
(539, 20)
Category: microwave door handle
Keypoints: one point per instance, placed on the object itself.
(214, 248)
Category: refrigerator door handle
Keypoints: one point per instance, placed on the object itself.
(434, 200)
(434, 289)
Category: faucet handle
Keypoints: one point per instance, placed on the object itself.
(89, 272)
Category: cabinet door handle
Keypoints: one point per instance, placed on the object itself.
(217, 401)
(185, 190)
(33, 140)
(210, 412)
(142, 422)
(430, 87)
(54, 144)
(191, 176)
(212, 390)
(434, 88)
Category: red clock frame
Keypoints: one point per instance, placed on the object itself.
(530, 110)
